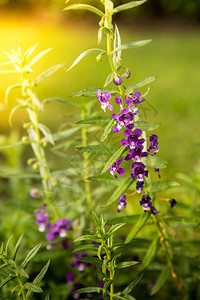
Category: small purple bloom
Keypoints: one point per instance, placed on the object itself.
(132, 138)
(127, 74)
(157, 170)
(104, 100)
(139, 171)
(70, 278)
(146, 202)
(58, 230)
(123, 119)
(133, 101)
(154, 144)
(119, 101)
(42, 217)
(115, 168)
(35, 193)
(117, 80)
(78, 264)
(136, 153)
(173, 202)
(139, 186)
(121, 203)
(153, 210)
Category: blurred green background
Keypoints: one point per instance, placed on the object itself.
(173, 57)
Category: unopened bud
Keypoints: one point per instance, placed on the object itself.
(99, 57)
(26, 125)
(30, 161)
(117, 80)
(127, 74)
(35, 166)
(25, 139)
(35, 193)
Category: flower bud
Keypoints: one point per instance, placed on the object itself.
(117, 80)
(35, 193)
(25, 139)
(127, 74)
(35, 166)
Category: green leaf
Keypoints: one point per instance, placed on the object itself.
(106, 179)
(150, 254)
(106, 287)
(92, 92)
(105, 265)
(89, 290)
(145, 126)
(161, 280)
(37, 57)
(85, 7)
(181, 222)
(126, 264)
(39, 277)
(109, 79)
(126, 6)
(30, 255)
(95, 120)
(13, 86)
(120, 190)
(22, 272)
(139, 84)
(12, 145)
(37, 102)
(117, 297)
(117, 44)
(138, 226)
(46, 132)
(55, 99)
(14, 109)
(128, 297)
(114, 228)
(20, 175)
(96, 220)
(108, 130)
(91, 260)
(114, 158)
(131, 286)
(86, 248)
(97, 149)
(160, 186)
(128, 220)
(32, 287)
(132, 45)
(17, 246)
(5, 281)
(83, 54)
(64, 133)
(87, 238)
(7, 244)
(154, 162)
(47, 73)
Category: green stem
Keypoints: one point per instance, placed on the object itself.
(86, 163)
(21, 287)
(112, 273)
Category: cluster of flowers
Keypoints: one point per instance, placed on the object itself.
(53, 231)
(134, 142)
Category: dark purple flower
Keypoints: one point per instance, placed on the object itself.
(58, 230)
(136, 153)
(115, 168)
(139, 186)
(133, 101)
(117, 80)
(104, 100)
(123, 119)
(146, 202)
(119, 101)
(132, 138)
(139, 171)
(173, 202)
(154, 144)
(121, 202)
(78, 264)
(70, 278)
(157, 170)
(42, 217)
(153, 210)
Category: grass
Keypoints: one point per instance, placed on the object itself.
(173, 57)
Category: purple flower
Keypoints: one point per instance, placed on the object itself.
(157, 170)
(115, 168)
(70, 278)
(58, 230)
(78, 264)
(35, 193)
(123, 119)
(104, 100)
(153, 210)
(173, 202)
(127, 74)
(121, 202)
(138, 171)
(136, 153)
(117, 80)
(154, 144)
(132, 138)
(42, 217)
(146, 202)
(139, 186)
(134, 101)
(119, 101)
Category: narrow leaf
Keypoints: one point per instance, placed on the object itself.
(91, 260)
(126, 6)
(47, 73)
(4, 266)
(20, 175)
(154, 162)
(106, 179)
(87, 238)
(129, 220)
(9, 89)
(96, 220)
(82, 55)
(132, 45)
(119, 191)
(89, 290)
(131, 286)
(98, 149)
(55, 100)
(85, 7)
(5, 281)
(13, 111)
(161, 280)
(117, 44)
(37, 57)
(92, 92)
(109, 79)
(22, 272)
(17, 246)
(86, 248)
(32, 287)
(46, 132)
(150, 254)
(108, 130)
(138, 226)
(95, 120)
(139, 84)
(106, 287)
(64, 133)
(114, 228)
(145, 126)
(160, 186)
(126, 264)
(7, 244)
(114, 158)
(181, 222)
(30, 255)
